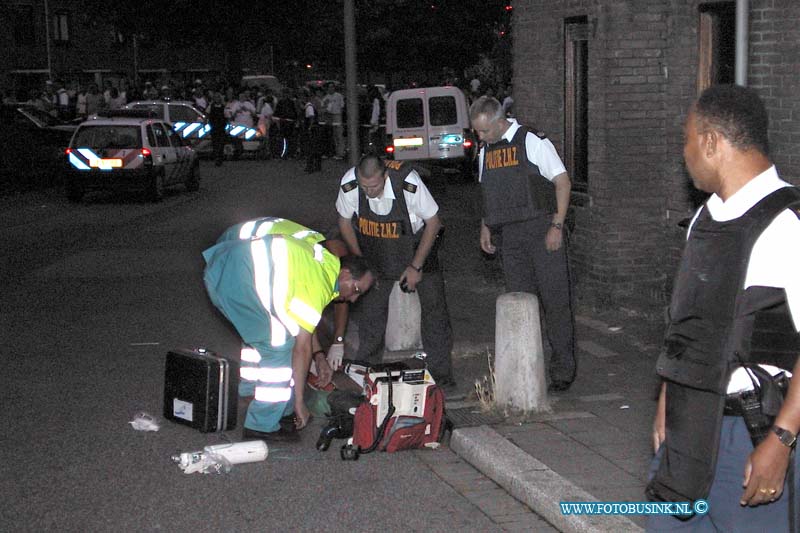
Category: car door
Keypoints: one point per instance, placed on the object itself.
(166, 153)
(445, 132)
(410, 136)
(182, 155)
(188, 122)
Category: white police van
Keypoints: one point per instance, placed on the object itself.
(431, 124)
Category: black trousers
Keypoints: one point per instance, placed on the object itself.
(371, 311)
(529, 267)
(218, 145)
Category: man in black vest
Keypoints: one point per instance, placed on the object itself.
(733, 322)
(387, 214)
(526, 193)
(217, 121)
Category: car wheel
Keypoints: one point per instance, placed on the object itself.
(193, 181)
(157, 187)
(74, 192)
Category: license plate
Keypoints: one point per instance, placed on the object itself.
(105, 163)
(408, 142)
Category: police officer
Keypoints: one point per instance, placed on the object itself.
(273, 289)
(218, 122)
(735, 302)
(526, 195)
(387, 214)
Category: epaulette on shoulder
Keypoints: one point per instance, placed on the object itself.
(410, 187)
(536, 131)
(349, 186)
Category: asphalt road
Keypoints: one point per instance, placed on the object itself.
(93, 295)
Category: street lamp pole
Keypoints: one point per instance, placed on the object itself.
(350, 80)
(47, 41)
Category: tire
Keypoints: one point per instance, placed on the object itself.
(193, 180)
(74, 193)
(156, 188)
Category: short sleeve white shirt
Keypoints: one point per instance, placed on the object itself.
(775, 259)
(540, 152)
(421, 205)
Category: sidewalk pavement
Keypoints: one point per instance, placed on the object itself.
(595, 444)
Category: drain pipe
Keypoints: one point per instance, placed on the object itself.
(742, 12)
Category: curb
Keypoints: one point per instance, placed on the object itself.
(531, 481)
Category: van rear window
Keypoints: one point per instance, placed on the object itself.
(409, 113)
(100, 137)
(443, 110)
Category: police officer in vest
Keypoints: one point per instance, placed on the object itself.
(217, 121)
(526, 193)
(387, 214)
(273, 289)
(733, 322)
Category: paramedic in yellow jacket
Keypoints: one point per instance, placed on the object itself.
(259, 227)
(273, 290)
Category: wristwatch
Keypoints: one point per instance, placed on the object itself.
(338, 340)
(786, 437)
(557, 225)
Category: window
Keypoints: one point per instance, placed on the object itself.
(162, 141)
(111, 137)
(182, 113)
(22, 29)
(717, 46)
(443, 110)
(60, 27)
(409, 113)
(151, 137)
(576, 101)
(156, 110)
(175, 139)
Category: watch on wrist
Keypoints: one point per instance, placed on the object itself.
(418, 269)
(786, 437)
(557, 225)
(338, 340)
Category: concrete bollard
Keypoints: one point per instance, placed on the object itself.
(402, 327)
(519, 358)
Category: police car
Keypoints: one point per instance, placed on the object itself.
(192, 125)
(129, 153)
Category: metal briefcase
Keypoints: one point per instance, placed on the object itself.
(201, 390)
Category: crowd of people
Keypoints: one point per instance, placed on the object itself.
(307, 121)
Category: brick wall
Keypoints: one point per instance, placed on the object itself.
(642, 81)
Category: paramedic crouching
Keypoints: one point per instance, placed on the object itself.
(333, 324)
(273, 289)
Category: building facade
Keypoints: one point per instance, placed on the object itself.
(611, 82)
(76, 44)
